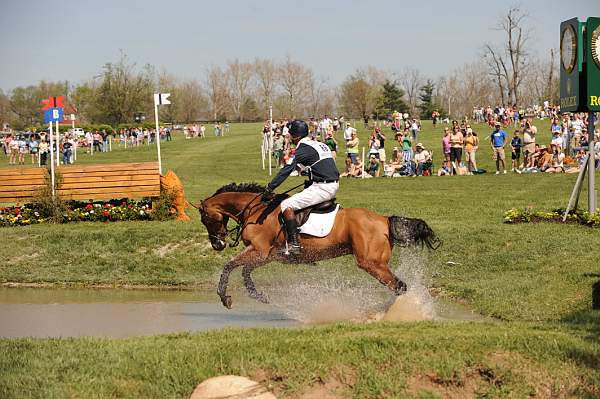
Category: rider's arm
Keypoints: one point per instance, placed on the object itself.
(283, 174)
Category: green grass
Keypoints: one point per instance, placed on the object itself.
(377, 360)
(534, 278)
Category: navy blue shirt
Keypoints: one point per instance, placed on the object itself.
(311, 155)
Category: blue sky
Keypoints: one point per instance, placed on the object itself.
(71, 40)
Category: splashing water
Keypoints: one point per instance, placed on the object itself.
(323, 295)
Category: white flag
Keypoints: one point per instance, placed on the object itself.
(162, 98)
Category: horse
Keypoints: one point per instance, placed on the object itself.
(369, 236)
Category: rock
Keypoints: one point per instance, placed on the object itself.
(230, 387)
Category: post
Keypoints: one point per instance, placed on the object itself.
(157, 138)
(270, 137)
(75, 145)
(591, 165)
(52, 159)
(575, 193)
(362, 172)
(57, 145)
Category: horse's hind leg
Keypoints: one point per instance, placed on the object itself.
(384, 275)
(246, 271)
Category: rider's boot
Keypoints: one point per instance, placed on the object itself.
(293, 245)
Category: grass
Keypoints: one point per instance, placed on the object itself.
(535, 279)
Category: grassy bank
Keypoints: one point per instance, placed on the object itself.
(537, 279)
(383, 360)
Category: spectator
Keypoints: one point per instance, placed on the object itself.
(23, 149)
(516, 144)
(13, 149)
(202, 131)
(557, 160)
(352, 148)
(395, 163)
(423, 161)
(373, 166)
(415, 126)
(44, 148)
(97, 141)
(66, 153)
(528, 146)
(34, 147)
(456, 146)
(331, 143)
(446, 148)
(471, 146)
(498, 141)
(374, 145)
(382, 157)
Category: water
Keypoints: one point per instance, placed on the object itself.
(308, 296)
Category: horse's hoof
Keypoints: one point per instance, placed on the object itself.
(400, 288)
(260, 297)
(226, 300)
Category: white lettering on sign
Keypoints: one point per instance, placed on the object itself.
(55, 114)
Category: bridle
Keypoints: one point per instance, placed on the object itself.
(235, 233)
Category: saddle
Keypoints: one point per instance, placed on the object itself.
(303, 214)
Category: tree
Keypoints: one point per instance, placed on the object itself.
(25, 102)
(391, 99)
(266, 76)
(124, 91)
(216, 84)
(507, 64)
(239, 75)
(411, 81)
(294, 79)
(191, 101)
(427, 105)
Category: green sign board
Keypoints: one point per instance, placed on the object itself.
(592, 56)
(570, 65)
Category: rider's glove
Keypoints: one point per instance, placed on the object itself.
(267, 193)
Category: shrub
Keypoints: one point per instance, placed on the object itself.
(529, 215)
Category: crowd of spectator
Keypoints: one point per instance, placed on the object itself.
(460, 144)
(36, 145)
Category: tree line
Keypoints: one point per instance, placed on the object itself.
(506, 73)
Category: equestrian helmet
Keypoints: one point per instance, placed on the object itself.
(298, 128)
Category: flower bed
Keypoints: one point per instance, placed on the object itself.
(77, 211)
(529, 215)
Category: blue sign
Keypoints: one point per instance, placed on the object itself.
(53, 115)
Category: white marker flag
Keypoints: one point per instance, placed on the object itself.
(162, 98)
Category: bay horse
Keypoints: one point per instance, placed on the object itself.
(368, 236)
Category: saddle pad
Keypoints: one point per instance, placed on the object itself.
(319, 224)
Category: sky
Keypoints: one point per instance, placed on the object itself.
(58, 40)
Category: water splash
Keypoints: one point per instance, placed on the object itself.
(323, 295)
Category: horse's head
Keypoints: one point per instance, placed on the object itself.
(216, 225)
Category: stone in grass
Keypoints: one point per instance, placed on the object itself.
(231, 387)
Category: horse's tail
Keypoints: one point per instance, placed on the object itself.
(410, 231)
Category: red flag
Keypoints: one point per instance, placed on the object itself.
(58, 101)
(52, 102)
(47, 103)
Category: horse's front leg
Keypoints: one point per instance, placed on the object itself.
(247, 257)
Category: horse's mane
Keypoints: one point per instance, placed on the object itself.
(241, 188)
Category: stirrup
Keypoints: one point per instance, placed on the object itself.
(291, 249)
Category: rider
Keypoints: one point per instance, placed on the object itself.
(314, 159)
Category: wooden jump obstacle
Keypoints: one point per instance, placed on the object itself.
(83, 182)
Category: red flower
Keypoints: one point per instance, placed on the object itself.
(89, 206)
(105, 213)
(17, 211)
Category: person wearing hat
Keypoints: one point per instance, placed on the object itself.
(498, 141)
(314, 159)
(422, 159)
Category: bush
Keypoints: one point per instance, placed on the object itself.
(529, 215)
(76, 211)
